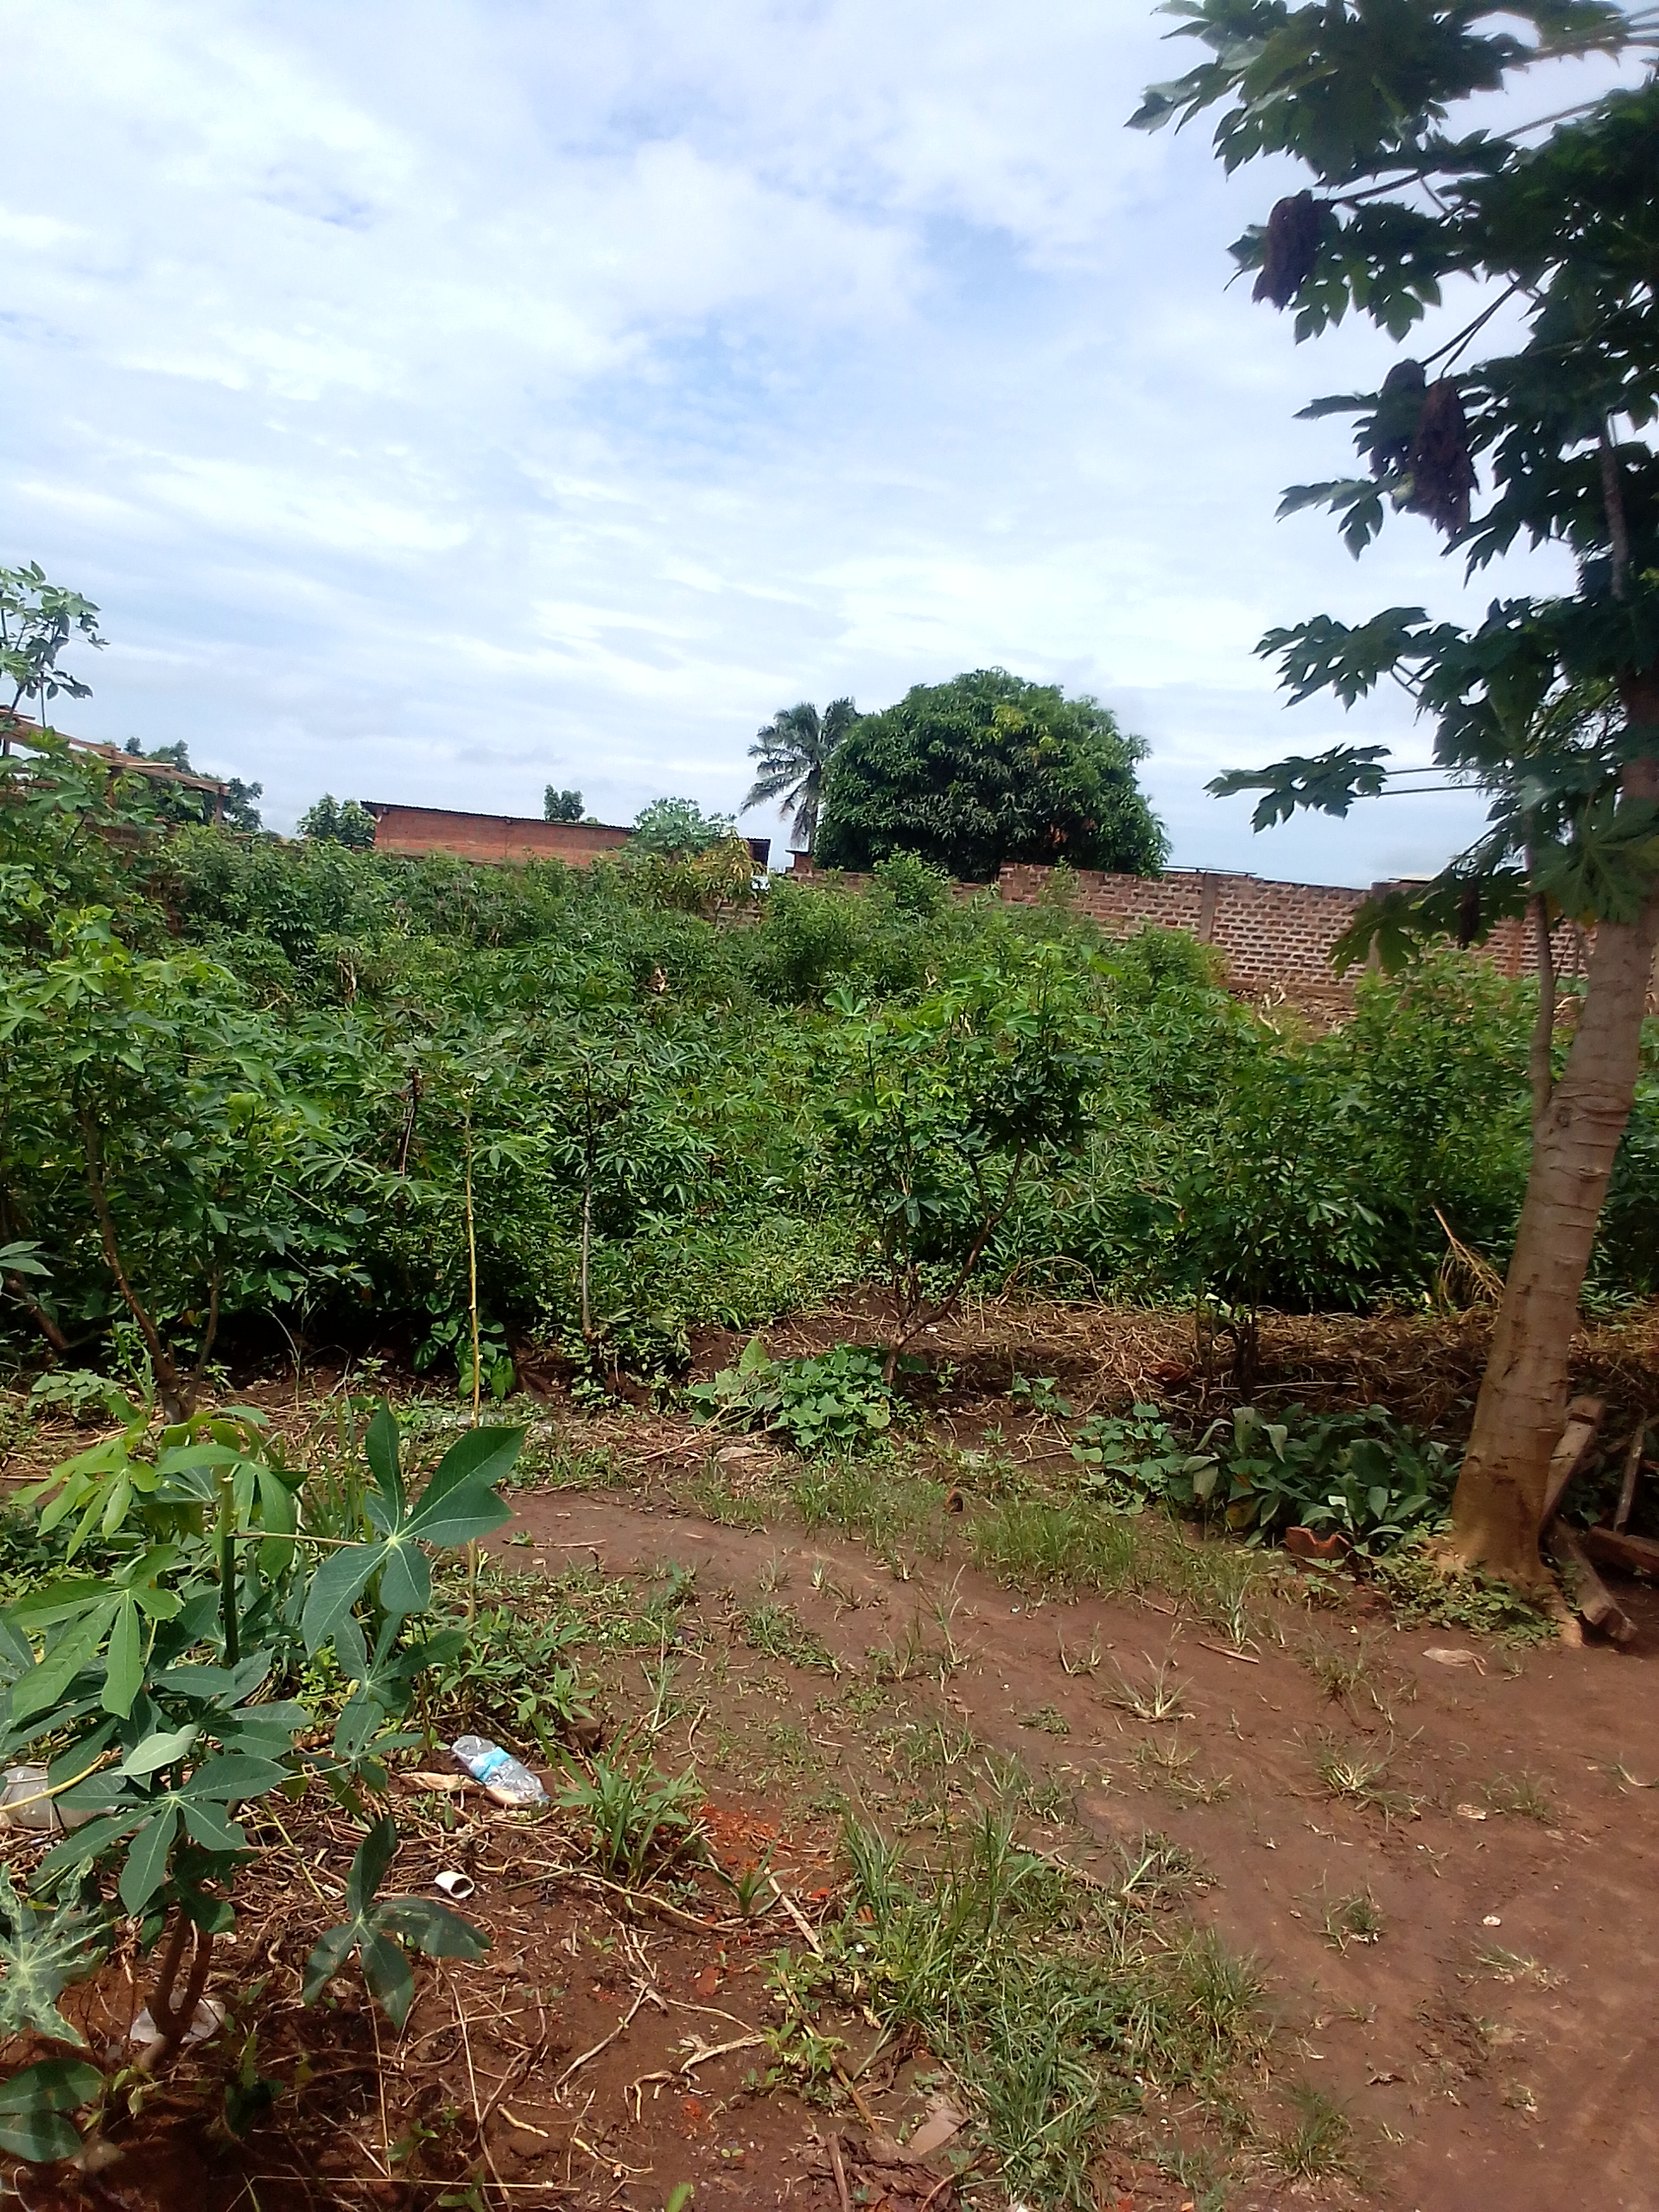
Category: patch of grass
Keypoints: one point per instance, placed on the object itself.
(875, 1499)
(779, 1632)
(613, 1612)
(513, 1680)
(1340, 1671)
(1419, 1588)
(1358, 1775)
(1049, 1802)
(1058, 2008)
(1168, 1767)
(710, 1494)
(549, 1461)
(1522, 1794)
(790, 1746)
(899, 1659)
(1160, 1698)
(1049, 1719)
(1158, 1870)
(1355, 1919)
(1038, 1547)
(1315, 2146)
(1510, 1966)
(1358, 1672)
(637, 1821)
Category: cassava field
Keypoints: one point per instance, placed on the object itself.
(826, 1384)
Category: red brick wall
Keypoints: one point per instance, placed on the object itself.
(1276, 936)
(495, 837)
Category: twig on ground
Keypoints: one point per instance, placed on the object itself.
(795, 1913)
(604, 2043)
(841, 2189)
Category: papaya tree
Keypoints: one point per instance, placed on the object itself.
(1530, 423)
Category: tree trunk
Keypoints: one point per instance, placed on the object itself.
(1498, 1508)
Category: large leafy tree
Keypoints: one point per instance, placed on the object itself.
(1552, 705)
(794, 750)
(678, 829)
(985, 769)
(176, 803)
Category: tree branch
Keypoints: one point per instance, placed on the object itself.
(37, 1313)
(215, 1282)
(168, 1381)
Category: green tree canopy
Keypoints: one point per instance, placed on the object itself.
(989, 768)
(334, 820)
(560, 806)
(678, 829)
(179, 803)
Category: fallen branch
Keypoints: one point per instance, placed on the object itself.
(1576, 1441)
(605, 2042)
(1591, 1596)
(1632, 1469)
(1612, 1548)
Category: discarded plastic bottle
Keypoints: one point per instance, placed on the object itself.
(26, 1802)
(502, 1777)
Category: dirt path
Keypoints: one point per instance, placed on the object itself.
(1455, 1918)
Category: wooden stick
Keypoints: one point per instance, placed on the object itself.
(1632, 1469)
(1591, 1595)
(795, 1913)
(1582, 1421)
(841, 2189)
(1612, 1548)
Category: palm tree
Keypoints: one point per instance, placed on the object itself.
(794, 750)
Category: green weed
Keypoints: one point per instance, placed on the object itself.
(1041, 1548)
(637, 1821)
(1169, 1767)
(1355, 1919)
(514, 1679)
(1524, 1794)
(1315, 2146)
(1420, 1588)
(1159, 1698)
(888, 1508)
(779, 1632)
(1055, 2007)
(1511, 1967)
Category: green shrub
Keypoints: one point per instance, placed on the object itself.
(833, 1401)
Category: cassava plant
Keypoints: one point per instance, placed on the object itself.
(1552, 705)
(940, 1110)
(162, 1693)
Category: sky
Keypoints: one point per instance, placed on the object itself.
(440, 401)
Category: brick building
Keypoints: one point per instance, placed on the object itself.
(502, 838)
(495, 837)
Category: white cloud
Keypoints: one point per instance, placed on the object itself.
(446, 396)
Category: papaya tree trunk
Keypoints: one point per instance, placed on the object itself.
(1498, 1509)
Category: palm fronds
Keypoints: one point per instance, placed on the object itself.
(794, 750)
